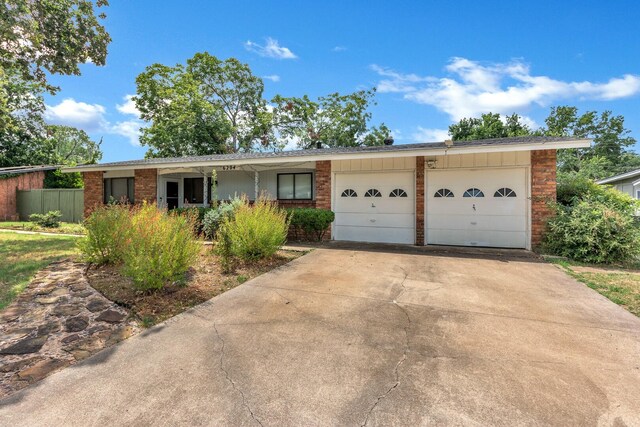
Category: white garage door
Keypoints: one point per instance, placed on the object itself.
(477, 208)
(375, 207)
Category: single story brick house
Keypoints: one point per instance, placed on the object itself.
(490, 193)
(17, 178)
(628, 183)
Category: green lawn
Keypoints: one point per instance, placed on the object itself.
(620, 285)
(22, 255)
(65, 227)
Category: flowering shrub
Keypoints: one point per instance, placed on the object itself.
(255, 231)
(160, 247)
(107, 230)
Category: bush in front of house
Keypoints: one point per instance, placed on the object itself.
(196, 212)
(107, 231)
(49, 220)
(214, 217)
(593, 224)
(255, 231)
(161, 247)
(310, 222)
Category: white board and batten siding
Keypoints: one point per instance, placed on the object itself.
(378, 204)
(486, 219)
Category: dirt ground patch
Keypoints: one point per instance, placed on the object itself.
(205, 281)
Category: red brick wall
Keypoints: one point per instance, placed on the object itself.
(8, 188)
(543, 191)
(145, 185)
(93, 191)
(323, 188)
(296, 203)
(420, 200)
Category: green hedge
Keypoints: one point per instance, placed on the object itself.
(310, 222)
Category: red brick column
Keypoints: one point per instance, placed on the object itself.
(145, 185)
(323, 187)
(543, 191)
(93, 191)
(420, 200)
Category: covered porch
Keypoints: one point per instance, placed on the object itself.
(289, 184)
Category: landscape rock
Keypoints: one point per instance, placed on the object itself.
(67, 310)
(76, 324)
(111, 316)
(41, 369)
(97, 304)
(25, 346)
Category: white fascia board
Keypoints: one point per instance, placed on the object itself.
(636, 183)
(619, 177)
(346, 156)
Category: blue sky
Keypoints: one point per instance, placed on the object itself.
(432, 61)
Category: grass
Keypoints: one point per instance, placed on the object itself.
(65, 227)
(620, 285)
(22, 255)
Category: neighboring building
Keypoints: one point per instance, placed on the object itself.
(18, 178)
(627, 183)
(491, 192)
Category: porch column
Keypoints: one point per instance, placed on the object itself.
(256, 189)
(205, 196)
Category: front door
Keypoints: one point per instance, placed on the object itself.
(172, 195)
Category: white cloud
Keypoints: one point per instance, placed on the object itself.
(430, 135)
(338, 49)
(272, 77)
(130, 129)
(128, 107)
(472, 88)
(69, 112)
(271, 49)
(91, 118)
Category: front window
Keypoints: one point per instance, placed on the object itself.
(118, 190)
(295, 186)
(194, 190)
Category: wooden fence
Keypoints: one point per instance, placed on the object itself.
(66, 200)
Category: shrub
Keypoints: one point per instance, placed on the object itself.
(593, 223)
(255, 231)
(215, 216)
(58, 179)
(160, 248)
(198, 214)
(593, 232)
(49, 220)
(311, 222)
(107, 230)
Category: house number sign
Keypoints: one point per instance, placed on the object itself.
(228, 168)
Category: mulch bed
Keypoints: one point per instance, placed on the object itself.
(204, 281)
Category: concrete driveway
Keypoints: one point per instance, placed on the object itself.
(355, 337)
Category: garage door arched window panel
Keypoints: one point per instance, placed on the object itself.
(443, 192)
(504, 192)
(473, 192)
(398, 192)
(349, 192)
(372, 192)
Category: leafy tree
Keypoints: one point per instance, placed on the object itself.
(489, 125)
(204, 107)
(332, 121)
(608, 155)
(182, 122)
(66, 145)
(51, 36)
(38, 38)
(231, 87)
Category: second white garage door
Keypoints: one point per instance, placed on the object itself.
(375, 207)
(486, 207)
